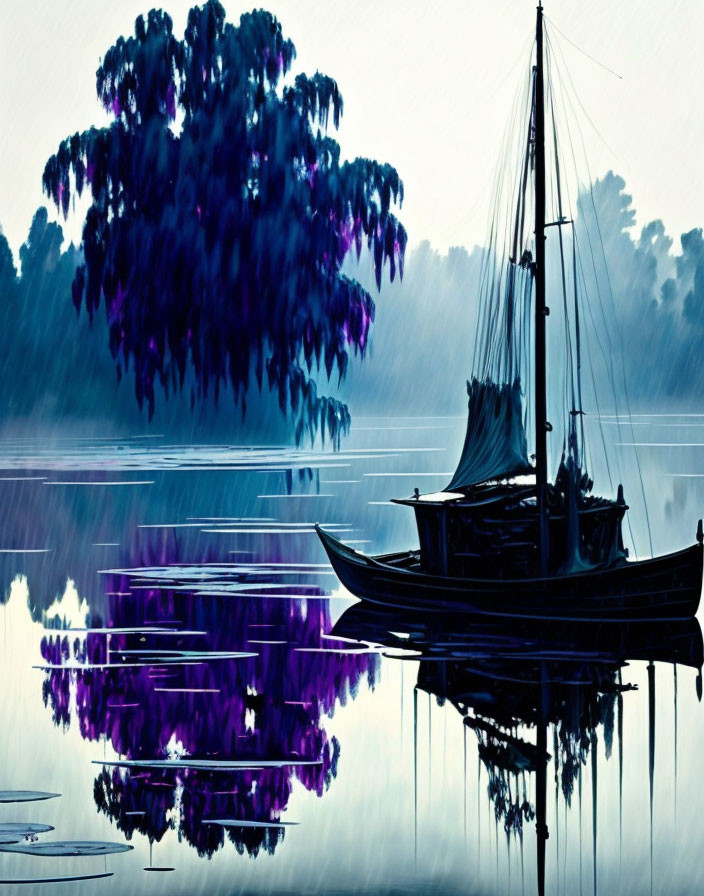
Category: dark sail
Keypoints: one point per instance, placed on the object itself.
(495, 444)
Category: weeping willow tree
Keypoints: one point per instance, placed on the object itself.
(221, 215)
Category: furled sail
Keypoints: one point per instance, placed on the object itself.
(495, 444)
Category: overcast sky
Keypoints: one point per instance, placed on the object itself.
(427, 86)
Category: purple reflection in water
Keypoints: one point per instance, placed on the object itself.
(152, 703)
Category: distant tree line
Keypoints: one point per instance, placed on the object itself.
(56, 366)
(642, 317)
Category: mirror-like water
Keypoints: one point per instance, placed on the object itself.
(182, 674)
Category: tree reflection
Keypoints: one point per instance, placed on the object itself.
(228, 677)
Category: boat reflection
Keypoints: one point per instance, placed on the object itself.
(214, 702)
(536, 693)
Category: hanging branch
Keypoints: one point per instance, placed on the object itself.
(221, 216)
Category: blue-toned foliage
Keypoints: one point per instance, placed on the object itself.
(221, 216)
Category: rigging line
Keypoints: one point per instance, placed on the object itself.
(623, 372)
(526, 168)
(577, 359)
(591, 368)
(513, 124)
(514, 193)
(526, 290)
(618, 331)
(577, 409)
(490, 297)
(491, 311)
(485, 309)
(498, 348)
(486, 99)
(562, 364)
(584, 52)
(594, 386)
(503, 348)
(581, 105)
(569, 388)
(528, 345)
(608, 361)
(577, 337)
(576, 307)
(520, 205)
(526, 45)
(603, 354)
(468, 215)
(481, 316)
(558, 216)
(625, 386)
(487, 297)
(569, 370)
(509, 315)
(488, 262)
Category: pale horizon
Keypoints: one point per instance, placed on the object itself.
(426, 89)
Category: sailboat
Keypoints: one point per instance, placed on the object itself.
(504, 537)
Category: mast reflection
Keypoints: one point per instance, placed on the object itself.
(533, 693)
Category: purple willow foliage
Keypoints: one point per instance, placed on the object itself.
(264, 707)
(221, 216)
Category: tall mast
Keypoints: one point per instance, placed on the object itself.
(541, 421)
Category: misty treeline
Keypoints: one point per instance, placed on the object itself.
(642, 298)
(56, 366)
(56, 370)
(657, 287)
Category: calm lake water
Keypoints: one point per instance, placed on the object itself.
(181, 666)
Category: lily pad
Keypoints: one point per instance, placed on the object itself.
(16, 831)
(25, 796)
(214, 765)
(68, 848)
(243, 823)
(55, 880)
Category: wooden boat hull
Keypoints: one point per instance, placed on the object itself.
(667, 587)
